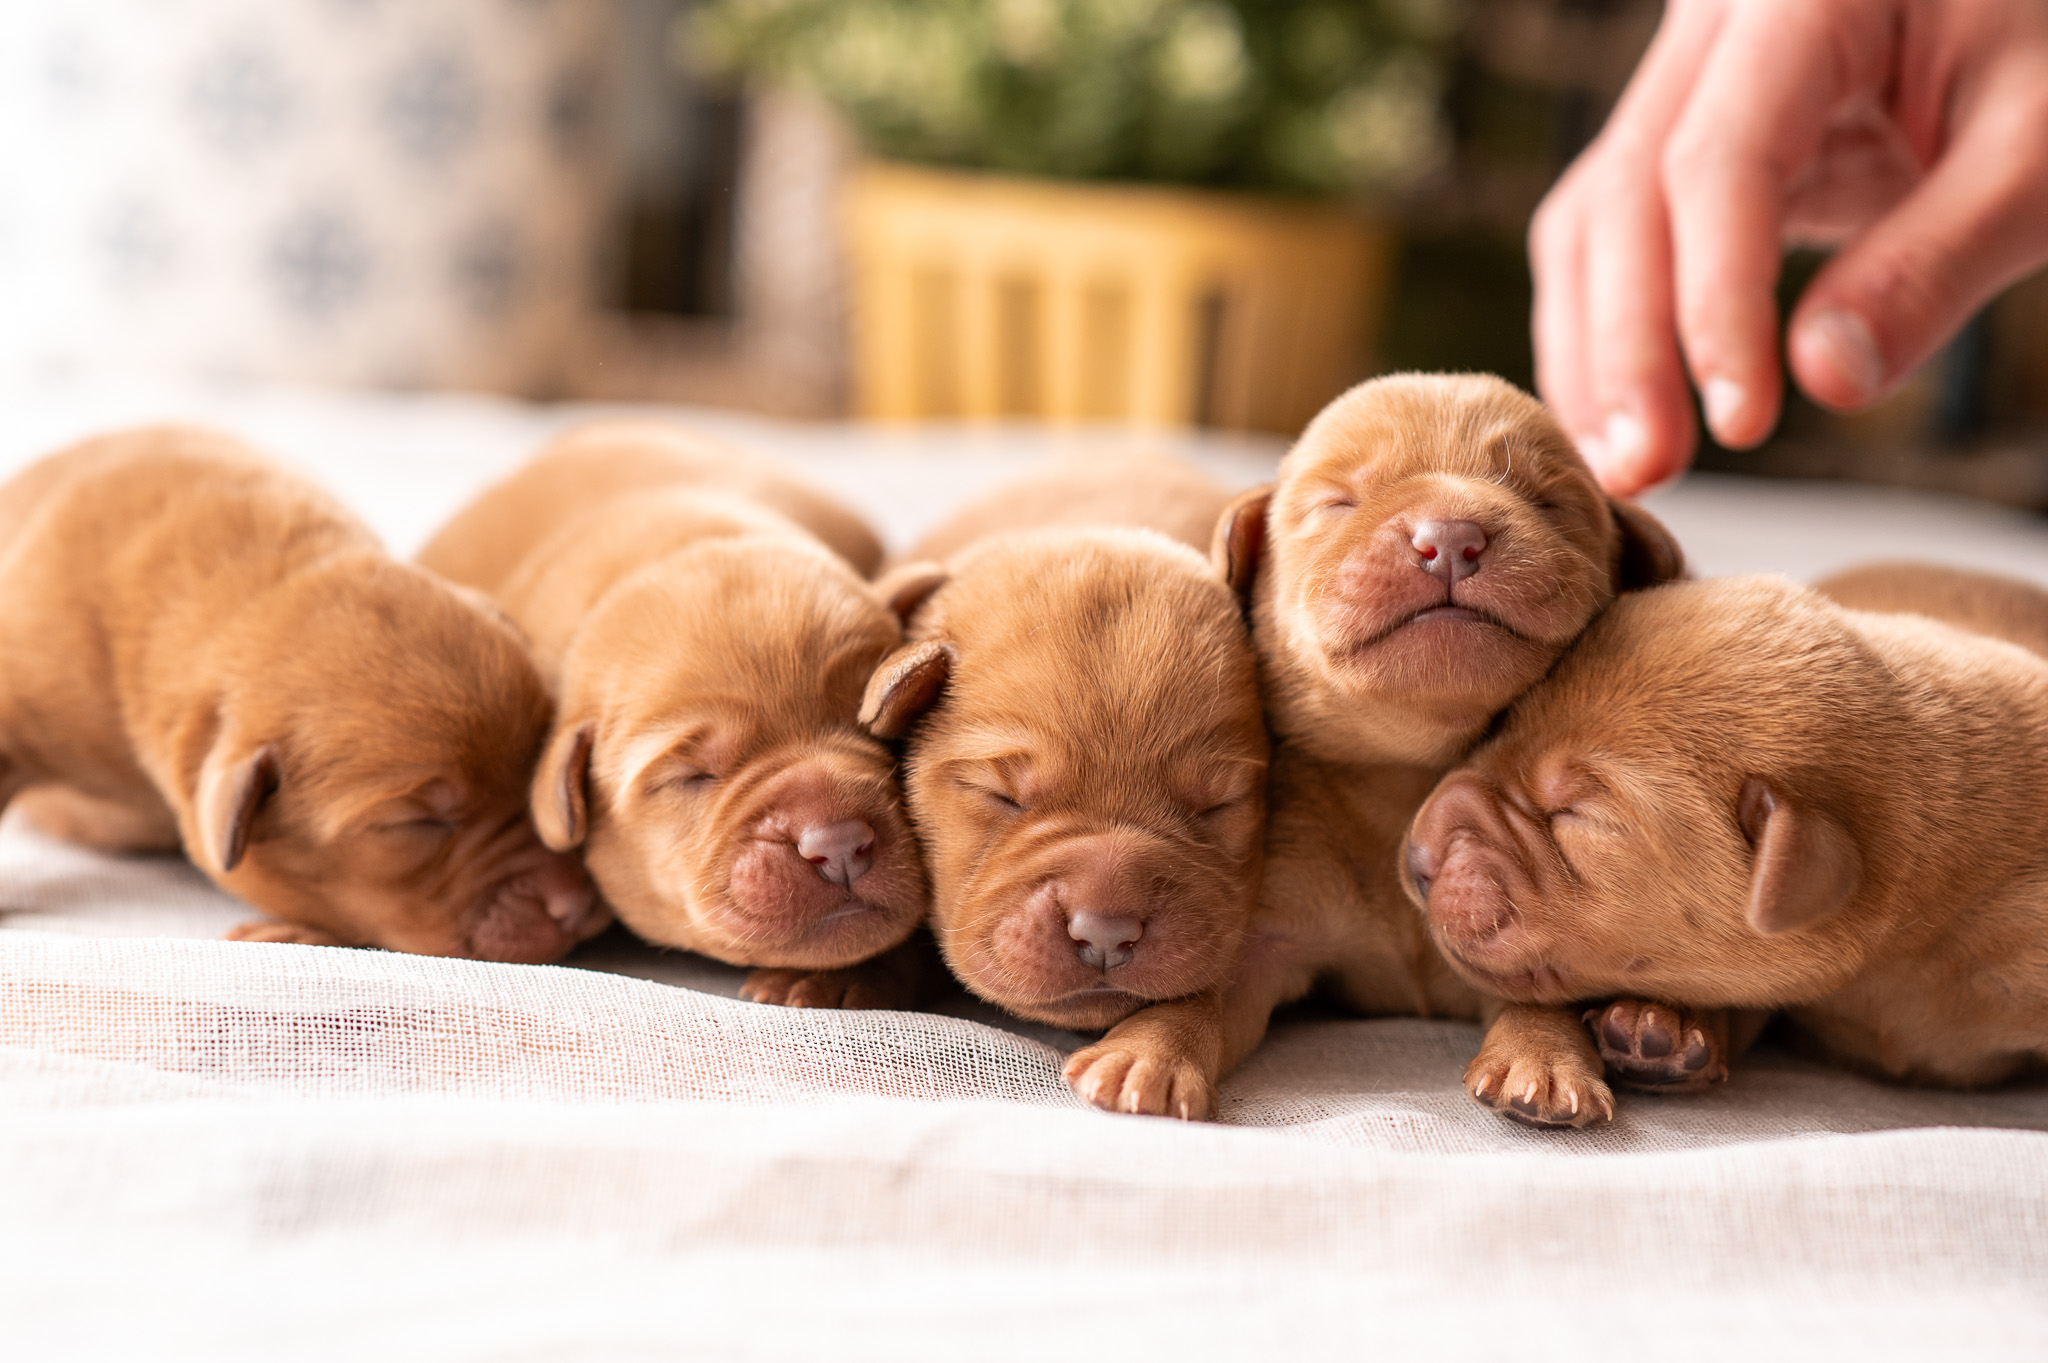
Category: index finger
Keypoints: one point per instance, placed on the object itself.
(1755, 120)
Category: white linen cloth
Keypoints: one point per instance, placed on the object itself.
(215, 1150)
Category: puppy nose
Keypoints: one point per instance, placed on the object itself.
(1104, 942)
(841, 851)
(1449, 549)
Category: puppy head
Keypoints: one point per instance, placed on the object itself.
(707, 758)
(369, 780)
(1086, 766)
(1431, 546)
(1684, 809)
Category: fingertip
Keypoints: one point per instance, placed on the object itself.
(1736, 413)
(1627, 455)
(1836, 356)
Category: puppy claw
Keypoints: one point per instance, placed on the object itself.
(1656, 1047)
(1540, 1091)
(1131, 1078)
(852, 988)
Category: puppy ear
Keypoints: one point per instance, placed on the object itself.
(904, 588)
(232, 792)
(906, 685)
(561, 789)
(1240, 540)
(1806, 867)
(1649, 553)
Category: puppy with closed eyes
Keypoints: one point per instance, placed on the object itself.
(1084, 758)
(1433, 543)
(1744, 795)
(708, 652)
(206, 651)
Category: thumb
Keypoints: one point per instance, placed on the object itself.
(1896, 294)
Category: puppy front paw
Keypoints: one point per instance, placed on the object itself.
(854, 987)
(1657, 1047)
(1131, 1076)
(267, 930)
(1539, 1089)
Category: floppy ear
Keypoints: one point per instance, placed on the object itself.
(904, 588)
(232, 792)
(1649, 553)
(1240, 540)
(1806, 867)
(906, 685)
(561, 789)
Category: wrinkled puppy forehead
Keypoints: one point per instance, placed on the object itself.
(1718, 678)
(756, 622)
(1474, 425)
(1110, 647)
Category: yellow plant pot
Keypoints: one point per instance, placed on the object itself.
(987, 297)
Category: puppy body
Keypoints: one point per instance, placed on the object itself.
(1143, 490)
(1739, 794)
(1085, 760)
(610, 461)
(202, 644)
(708, 655)
(1432, 544)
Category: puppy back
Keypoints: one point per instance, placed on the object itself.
(1142, 490)
(1982, 603)
(485, 542)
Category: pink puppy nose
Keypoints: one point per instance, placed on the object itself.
(1103, 942)
(1449, 549)
(841, 851)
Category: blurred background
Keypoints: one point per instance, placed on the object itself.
(1184, 212)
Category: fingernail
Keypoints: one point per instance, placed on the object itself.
(1851, 344)
(1628, 440)
(1592, 448)
(1724, 401)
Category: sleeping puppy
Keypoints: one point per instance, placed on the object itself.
(708, 655)
(1431, 546)
(1085, 757)
(1740, 794)
(206, 651)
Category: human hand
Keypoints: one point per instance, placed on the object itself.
(1912, 132)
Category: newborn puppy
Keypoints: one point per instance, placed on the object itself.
(203, 649)
(1432, 545)
(708, 656)
(1085, 760)
(1740, 794)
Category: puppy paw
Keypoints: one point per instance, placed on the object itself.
(1658, 1047)
(264, 930)
(1123, 1076)
(853, 987)
(1540, 1090)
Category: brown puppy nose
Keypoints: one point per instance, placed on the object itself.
(841, 851)
(1449, 549)
(1104, 942)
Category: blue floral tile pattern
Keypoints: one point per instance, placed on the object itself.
(342, 191)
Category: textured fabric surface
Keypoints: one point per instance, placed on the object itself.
(224, 1151)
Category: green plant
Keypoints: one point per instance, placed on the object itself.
(1316, 95)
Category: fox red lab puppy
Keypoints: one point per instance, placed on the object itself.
(1085, 759)
(1432, 545)
(1740, 794)
(203, 649)
(708, 655)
